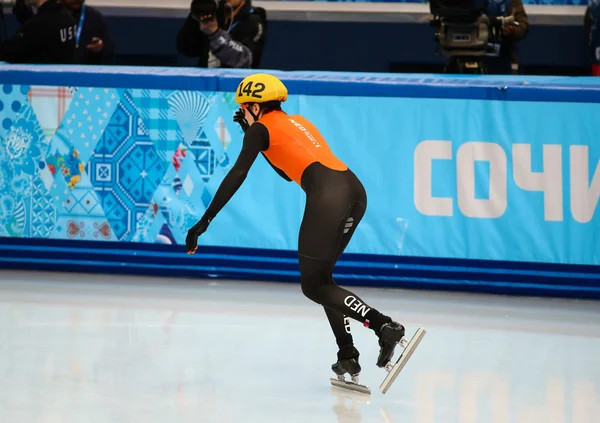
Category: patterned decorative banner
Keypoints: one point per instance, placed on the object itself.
(108, 165)
(143, 165)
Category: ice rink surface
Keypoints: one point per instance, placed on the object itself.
(77, 348)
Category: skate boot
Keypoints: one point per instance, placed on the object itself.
(391, 333)
(348, 363)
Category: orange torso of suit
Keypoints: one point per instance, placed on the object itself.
(295, 144)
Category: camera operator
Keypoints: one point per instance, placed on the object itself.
(228, 34)
(47, 37)
(505, 59)
(591, 26)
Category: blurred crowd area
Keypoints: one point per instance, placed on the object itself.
(235, 34)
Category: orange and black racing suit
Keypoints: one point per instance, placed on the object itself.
(335, 204)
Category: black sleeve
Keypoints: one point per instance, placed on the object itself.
(108, 51)
(21, 46)
(22, 11)
(254, 34)
(255, 141)
(99, 28)
(587, 25)
(192, 42)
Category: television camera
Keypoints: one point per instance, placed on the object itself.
(465, 34)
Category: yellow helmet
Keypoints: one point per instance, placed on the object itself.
(259, 88)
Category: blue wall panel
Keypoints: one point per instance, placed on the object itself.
(479, 183)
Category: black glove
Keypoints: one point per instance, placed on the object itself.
(239, 118)
(191, 241)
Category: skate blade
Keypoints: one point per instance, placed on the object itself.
(356, 387)
(402, 360)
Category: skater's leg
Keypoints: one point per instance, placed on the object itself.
(335, 205)
(316, 285)
(330, 219)
(340, 325)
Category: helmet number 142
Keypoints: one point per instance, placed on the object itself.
(247, 89)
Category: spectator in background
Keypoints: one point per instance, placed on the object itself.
(93, 43)
(232, 37)
(592, 34)
(47, 37)
(506, 61)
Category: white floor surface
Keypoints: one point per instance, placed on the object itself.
(77, 348)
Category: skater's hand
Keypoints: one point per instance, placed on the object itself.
(191, 241)
(241, 120)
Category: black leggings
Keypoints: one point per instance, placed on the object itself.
(335, 204)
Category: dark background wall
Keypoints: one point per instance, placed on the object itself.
(345, 46)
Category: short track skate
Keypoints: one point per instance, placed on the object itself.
(408, 350)
(351, 384)
(351, 367)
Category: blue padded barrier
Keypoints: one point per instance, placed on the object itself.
(485, 87)
(476, 183)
